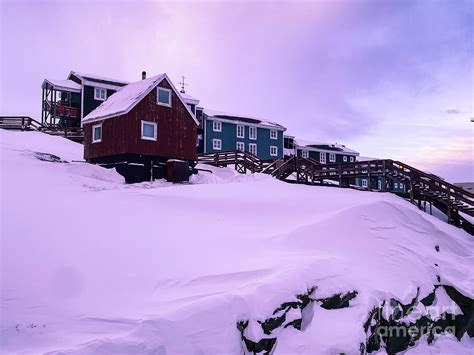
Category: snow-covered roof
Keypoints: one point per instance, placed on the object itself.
(63, 84)
(311, 145)
(189, 99)
(121, 102)
(241, 118)
(97, 78)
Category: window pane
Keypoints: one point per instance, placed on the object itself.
(97, 133)
(164, 96)
(148, 130)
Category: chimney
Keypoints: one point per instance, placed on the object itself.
(143, 75)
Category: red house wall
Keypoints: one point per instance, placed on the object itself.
(176, 131)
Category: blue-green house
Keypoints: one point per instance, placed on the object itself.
(228, 132)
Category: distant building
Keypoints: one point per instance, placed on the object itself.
(67, 102)
(229, 132)
(139, 128)
(468, 186)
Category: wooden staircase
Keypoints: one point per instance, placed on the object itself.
(26, 123)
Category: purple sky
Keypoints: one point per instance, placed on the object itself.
(391, 79)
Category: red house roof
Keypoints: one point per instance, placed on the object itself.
(121, 102)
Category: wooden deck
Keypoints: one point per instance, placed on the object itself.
(26, 123)
(424, 189)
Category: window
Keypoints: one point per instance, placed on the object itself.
(149, 130)
(332, 157)
(164, 97)
(364, 182)
(273, 151)
(344, 159)
(379, 184)
(352, 159)
(253, 132)
(395, 185)
(305, 154)
(322, 158)
(240, 131)
(217, 126)
(273, 134)
(216, 144)
(241, 146)
(100, 94)
(97, 133)
(401, 185)
(253, 148)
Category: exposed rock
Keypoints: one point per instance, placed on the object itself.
(48, 157)
(337, 301)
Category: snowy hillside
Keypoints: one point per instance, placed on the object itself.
(224, 264)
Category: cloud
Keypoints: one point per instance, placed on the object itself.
(453, 111)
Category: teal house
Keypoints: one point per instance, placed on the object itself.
(228, 132)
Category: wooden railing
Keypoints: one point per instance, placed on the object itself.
(242, 161)
(26, 123)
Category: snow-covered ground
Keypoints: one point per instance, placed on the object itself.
(90, 265)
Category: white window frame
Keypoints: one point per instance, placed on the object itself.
(158, 96)
(344, 159)
(93, 133)
(305, 153)
(155, 131)
(364, 183)
(253, 129)
(217, 126)
(250, 148)
(275, 149)
(240, 146)
(352, 159)
(216, 146)
(242, 127)
(332, 157)
(321, 159)
(273, 134)
(98, 96)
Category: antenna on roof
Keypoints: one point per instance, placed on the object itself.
(183, 84)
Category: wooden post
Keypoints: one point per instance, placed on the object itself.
(369, 183)
(431, 208)
(340, 175)
(449, 206)
(151, 170)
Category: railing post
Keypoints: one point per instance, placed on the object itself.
(369, 182)
(449, 205)
(235, 160)
(340, 175)
(384, 175)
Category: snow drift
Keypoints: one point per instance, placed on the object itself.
(90, 265)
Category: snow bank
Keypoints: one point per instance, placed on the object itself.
(90, 265)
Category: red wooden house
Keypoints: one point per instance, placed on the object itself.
(139, 128)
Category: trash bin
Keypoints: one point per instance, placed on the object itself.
(177, 170)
